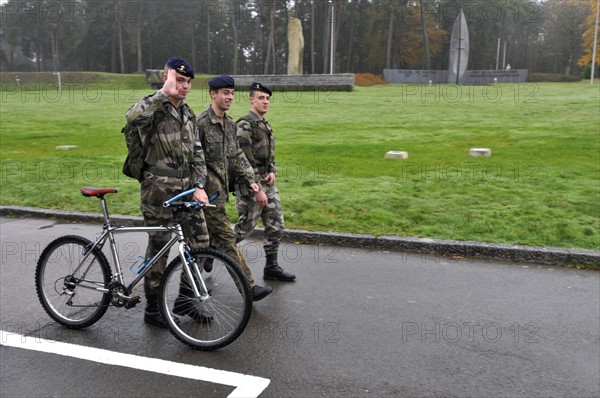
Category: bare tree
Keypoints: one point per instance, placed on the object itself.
(328, 22)
(236, 43)
(351, 36)
(121, 45)
(208, 49)
(271, 43)
(312, 37)
(139, 45)
(426, 53)
(388, 53)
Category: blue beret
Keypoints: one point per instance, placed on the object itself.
(223, 81)
(260, 87)
(180, 66)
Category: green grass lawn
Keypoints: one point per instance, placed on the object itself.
(540, 187)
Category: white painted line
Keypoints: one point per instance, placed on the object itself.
(246, 385)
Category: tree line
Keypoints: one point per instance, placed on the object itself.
(250, 36)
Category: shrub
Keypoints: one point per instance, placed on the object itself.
(552, 78)
(586, 72)
(368, 79)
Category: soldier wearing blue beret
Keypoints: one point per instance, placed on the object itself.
(219, 82)
(225, 162)
(173, 162)
(180, 66)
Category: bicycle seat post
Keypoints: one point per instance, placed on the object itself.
(178, 218)
(104, 211)
(99, 193)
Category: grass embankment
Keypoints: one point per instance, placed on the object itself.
(540, 187)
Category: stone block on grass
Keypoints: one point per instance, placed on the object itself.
(477, 152)
(396, 155)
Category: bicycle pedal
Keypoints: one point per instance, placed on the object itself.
(132, 302)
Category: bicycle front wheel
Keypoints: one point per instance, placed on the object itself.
(220, 314)
(71, 286)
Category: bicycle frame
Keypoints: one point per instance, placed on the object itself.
(108, 233)
(204, 297)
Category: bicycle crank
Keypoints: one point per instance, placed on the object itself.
(118, 297)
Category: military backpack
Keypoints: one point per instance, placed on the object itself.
(134, 164)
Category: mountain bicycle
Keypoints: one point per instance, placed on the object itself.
(206, 289)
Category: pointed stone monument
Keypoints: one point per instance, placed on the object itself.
(459, 49)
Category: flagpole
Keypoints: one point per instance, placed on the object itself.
(331, 52)
(595, 42)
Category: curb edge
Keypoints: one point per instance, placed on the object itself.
(435, 247)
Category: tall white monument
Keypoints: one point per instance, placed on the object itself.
(459, 49)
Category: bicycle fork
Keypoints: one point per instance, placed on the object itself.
(193, 273)
(189, 264)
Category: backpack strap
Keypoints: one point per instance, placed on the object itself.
(253, 123)
(158, 116)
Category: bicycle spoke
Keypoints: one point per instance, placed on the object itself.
(71, 301)
(220, 318)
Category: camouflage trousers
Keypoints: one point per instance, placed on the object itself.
(223, 239)
(272, 218)
(192, 222)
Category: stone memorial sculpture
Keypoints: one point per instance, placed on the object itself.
(295, 47)
(459, 49)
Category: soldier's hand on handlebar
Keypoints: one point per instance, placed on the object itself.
(200, 196)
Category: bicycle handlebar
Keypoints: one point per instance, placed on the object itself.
(174, 201)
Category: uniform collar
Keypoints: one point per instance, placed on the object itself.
(213, 116)
(177, 113)
(254, 116)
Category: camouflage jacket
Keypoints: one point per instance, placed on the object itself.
(225, 161)
(175, 150)
(256, 139)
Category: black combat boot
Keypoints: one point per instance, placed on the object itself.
(208, 264)
(152, 314)
(260, 292)
(184, 305)
(274, 272)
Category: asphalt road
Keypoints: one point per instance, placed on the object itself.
(356, 323)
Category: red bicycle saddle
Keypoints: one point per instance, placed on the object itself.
(87, 191)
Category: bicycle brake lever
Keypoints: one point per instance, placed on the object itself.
(198, 206)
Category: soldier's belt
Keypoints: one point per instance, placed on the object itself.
(181, 173)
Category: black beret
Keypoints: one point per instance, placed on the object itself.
(180, 66)
(223, 81)
(260, 87)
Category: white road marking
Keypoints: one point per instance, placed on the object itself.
(246, 385)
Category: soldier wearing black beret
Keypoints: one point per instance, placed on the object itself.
(260, 87)
(257, 140)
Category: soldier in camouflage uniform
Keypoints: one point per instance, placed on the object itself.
(174, 162)
(256, 139)
(225, 162)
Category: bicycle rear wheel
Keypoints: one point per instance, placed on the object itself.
(72, 299)
(221, 316)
